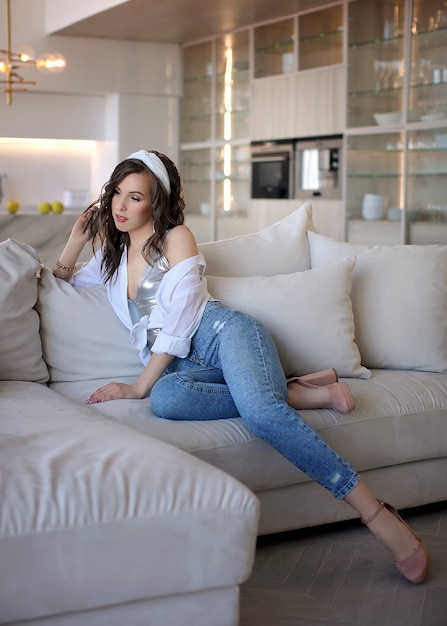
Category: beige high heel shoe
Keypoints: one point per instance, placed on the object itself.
(416, 567)
(321, 379)
(341, 399)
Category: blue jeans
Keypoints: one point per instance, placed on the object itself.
(233, 370)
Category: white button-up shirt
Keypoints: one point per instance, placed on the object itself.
(181, 299)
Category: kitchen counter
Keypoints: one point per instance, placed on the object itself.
(47, 234)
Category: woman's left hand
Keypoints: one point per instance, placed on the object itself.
(113, 391)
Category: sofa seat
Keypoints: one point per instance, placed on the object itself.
(88, 507)
(399, 419)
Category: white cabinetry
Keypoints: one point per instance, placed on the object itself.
(273, 108)
(320, 98)
(299, 105)
(396, 140)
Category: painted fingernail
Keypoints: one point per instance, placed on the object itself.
(88, 401)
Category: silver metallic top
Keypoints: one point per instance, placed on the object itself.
(145, 299)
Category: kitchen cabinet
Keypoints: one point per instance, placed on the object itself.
(247, 86)
(197, 104)
(274, 52)
(215, 153)
(305, 104)
(285, 46)
(196, 178)
(320, 98)
(374, 165)
(232, 87)
(320, 38)
(396, 136)
(274, 108)
(375, 61)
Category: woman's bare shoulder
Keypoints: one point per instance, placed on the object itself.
(180, 244)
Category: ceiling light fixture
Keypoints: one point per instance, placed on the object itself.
(23, 58)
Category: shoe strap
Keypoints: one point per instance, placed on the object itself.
(375, 514)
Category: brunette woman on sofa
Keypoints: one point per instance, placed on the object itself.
(201, 359)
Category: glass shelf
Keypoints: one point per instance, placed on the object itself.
(376, 71)
(196, 177)
(321, 37)
(374, 165)
(428, 68)
(274, 49)
(215, 135)
(375, 21)
(427, 173)
(197, 92)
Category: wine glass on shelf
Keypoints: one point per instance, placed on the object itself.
(379, 73)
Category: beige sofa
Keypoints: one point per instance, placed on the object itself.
(379, 315)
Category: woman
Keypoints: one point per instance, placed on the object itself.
(201, 359)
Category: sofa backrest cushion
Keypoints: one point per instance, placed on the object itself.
(399, 299)
(309, 315)
(20, 345)
(82, 338)
(281, 248)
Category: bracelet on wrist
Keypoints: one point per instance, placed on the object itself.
(64, 267)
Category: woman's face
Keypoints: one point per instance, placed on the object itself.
(131, 205)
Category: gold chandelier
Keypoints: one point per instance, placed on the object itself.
(11, 62)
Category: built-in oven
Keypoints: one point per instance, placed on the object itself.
(272, 169)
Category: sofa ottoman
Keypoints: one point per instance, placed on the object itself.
(100, 525)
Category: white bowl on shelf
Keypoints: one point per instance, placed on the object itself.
(388, 119)
(395, 214)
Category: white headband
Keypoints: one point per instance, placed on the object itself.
(155, 164)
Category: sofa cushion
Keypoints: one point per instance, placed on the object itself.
(399, 418)
(278, 249)
(82, 338)
(89, 507)
(309, 315)
(399, 299)
(20, 345)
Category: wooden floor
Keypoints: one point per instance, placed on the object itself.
(340, 575)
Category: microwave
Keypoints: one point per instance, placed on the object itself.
(318, 163)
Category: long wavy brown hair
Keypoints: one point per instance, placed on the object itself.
(168, 211)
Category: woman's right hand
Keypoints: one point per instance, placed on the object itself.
(84, 228)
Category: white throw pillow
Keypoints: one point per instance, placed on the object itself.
(281, 248)
(82, 338)
(308, 314)
(20, 345)
(399, 299)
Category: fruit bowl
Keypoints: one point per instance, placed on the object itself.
(388, 119)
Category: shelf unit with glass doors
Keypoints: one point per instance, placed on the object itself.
(285, 46)
(215, 154)
(396, 137)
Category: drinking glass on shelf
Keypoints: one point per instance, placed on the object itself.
(425, 71)
(379, 72)
(388, 75)
(398, 73)
(440, 19)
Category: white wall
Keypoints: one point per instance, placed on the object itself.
(119, 95)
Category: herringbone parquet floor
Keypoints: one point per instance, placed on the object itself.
(340, 576)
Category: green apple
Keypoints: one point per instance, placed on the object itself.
(57, 207)
(12, 206)
(44, 207)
